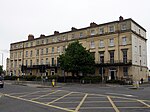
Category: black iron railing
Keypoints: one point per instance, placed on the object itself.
(114, 62)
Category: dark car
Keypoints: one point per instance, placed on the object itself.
(1, 82)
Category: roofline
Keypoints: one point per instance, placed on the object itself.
(129, 19)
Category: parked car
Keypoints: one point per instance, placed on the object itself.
(1, 82)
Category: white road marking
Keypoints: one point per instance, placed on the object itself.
(128, 95)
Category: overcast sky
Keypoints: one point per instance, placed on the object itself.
(19, 18)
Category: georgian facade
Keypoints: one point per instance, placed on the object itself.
(119, 48)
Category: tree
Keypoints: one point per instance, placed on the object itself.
(1, 69)
(77, 59)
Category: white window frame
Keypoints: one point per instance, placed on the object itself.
(111, 28)
(42, 61)
(123, 27)
(92, 32)
(101, 31)
(47, 61)
(124, 40)
(53, 49)
(92, 44)
(111, 42)
(81, 34)
(101, 43)
(58, 49)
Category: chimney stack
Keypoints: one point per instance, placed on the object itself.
(120, 18)
(93, 24)
(42, 35)
(30, 37)
(56, 32)
(73, 29)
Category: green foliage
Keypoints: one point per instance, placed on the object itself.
(29, 77)
(1, 69)
(77, 59)
(10, 78)
(92, 79)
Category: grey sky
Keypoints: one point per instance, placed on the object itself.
(18, 18)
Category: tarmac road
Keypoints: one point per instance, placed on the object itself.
(74, 98)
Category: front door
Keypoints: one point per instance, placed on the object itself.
(112, 74)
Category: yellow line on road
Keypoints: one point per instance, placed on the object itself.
(19, 93)
(29, 94)
(78, 107)
(45, 95)
(65, 109)
(144, 103)
(59, 98)
(132, 107)
(113, 105)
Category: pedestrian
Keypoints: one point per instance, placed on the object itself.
(141, 80)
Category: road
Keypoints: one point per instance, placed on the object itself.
(74, 98)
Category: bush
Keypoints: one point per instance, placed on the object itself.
(29, 77)
(115, 82)
(92, 79)
(10, 78)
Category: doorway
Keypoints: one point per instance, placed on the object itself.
(112, 74)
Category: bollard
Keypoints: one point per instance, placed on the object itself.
(53, 82)
(136, 84)
(18, 79)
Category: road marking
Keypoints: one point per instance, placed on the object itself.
(78, 107)
(66, 109)
(59, 98)
(122, 94)
(1, 94)
(112, 103)
(29, 94)
(45, 95)
(19, 93)
(132, 107)
(84, 108)
(144, 103)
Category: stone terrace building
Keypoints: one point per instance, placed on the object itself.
(119, 47)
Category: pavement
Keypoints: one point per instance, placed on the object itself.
(40, 84)
(37, 84)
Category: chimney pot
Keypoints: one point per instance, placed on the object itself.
(120, 18)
